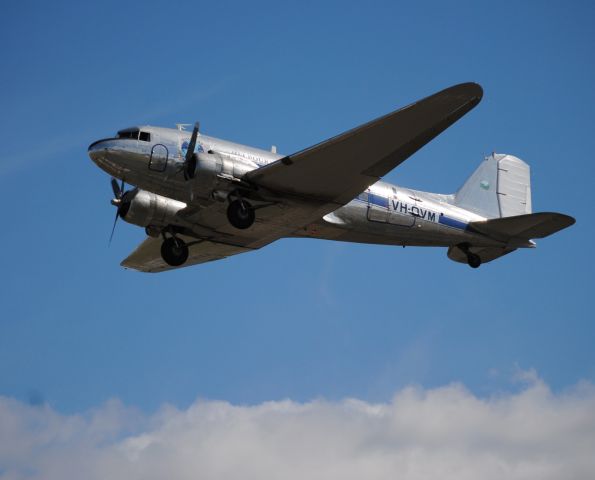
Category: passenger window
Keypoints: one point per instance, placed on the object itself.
(145, 136)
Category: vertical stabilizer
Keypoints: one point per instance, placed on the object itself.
(500, 187)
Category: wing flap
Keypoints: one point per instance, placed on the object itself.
(340, 168)
(147, 256)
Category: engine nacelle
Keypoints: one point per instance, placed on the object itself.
(208, 167)
(212, 169)
(144, 208)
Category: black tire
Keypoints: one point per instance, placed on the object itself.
(240, 214)
(473, 260)
(174, 251)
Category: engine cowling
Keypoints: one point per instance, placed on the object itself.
(208, 167)
(144, 208)
(211, 168)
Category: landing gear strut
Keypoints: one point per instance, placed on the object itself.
(240, 214)
(174, 251)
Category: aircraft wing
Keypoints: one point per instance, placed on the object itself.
(338, 169)
(147, 256)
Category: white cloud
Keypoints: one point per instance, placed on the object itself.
(445, 433)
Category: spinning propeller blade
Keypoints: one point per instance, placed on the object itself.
(117, 201)
(192, 144)
(117, 189)
(113, 228)
(189, 166)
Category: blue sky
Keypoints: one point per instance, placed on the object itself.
(299, 319)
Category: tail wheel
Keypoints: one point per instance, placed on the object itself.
(473, 260)
(174, 251)
(240, 214)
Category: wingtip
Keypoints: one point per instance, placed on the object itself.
(570, 221)
(472, 89)
(470, 93)
(478, 90)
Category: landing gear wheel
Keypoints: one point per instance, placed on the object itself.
(240, 214)
(473, 260)
(174, 251)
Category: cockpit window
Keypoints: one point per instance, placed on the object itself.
(132, 134)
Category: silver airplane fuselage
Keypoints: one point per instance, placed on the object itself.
(150, 159)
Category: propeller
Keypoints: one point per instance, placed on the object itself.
(189, 165)
(119, 201)
(117, 189)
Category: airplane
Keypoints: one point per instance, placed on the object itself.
(201, 199)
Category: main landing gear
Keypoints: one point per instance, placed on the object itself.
(174, 251)
(240, 213)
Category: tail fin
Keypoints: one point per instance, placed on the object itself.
(500, 187)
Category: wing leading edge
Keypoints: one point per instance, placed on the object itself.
(340, 168)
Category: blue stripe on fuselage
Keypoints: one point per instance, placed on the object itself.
(451, 222)
(378, 200)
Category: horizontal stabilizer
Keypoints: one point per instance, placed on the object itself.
(526, 227)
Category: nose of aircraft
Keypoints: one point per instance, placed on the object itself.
(115, 156)
(102, 154)
(95, 151)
